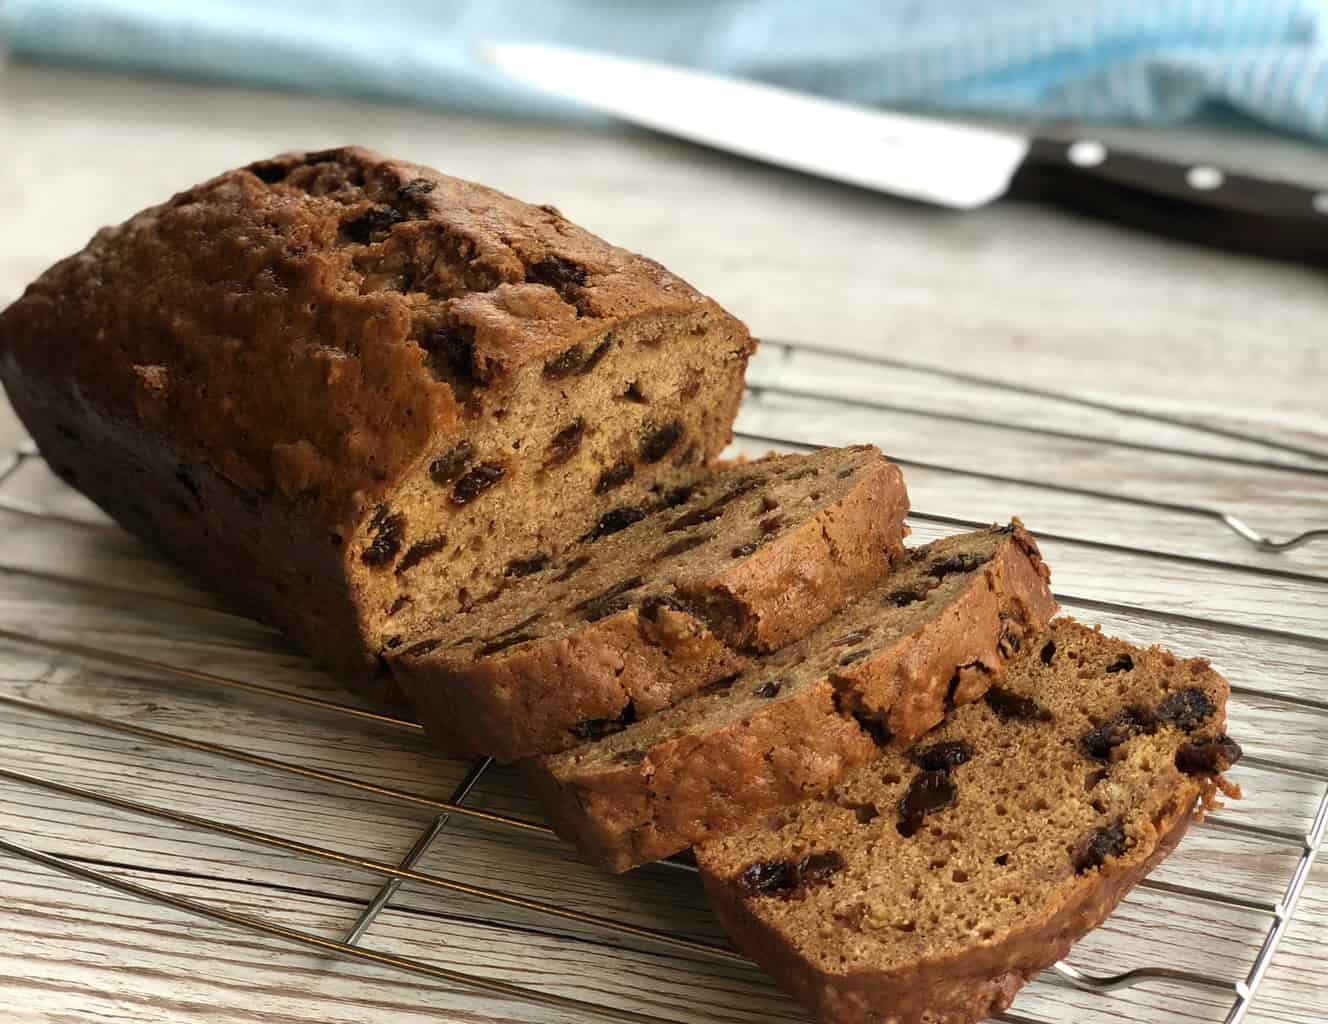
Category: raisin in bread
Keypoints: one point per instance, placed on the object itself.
(930, 635)
(928, 886)
(647, 609)
(339, 387)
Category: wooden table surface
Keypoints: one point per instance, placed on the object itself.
(1231, 353)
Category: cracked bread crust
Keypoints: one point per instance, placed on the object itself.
(756, 556)
(928, 886)
(250, 375)
(792, 723)
(259, 275)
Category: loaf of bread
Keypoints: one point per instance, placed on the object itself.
(927, 637)
(649, 607)
(931, 884)
(346, 391)
(463, 453)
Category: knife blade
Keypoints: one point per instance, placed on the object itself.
(945, 163)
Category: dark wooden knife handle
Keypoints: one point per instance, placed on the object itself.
(1191, 202)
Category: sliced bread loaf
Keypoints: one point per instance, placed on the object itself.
(347, 391)
(648, 608)
(931, 884)
(929, 635)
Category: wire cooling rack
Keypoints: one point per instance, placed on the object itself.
(1296, 837)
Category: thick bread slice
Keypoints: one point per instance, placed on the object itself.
(649, 608)
(932, 634)
(928, 886)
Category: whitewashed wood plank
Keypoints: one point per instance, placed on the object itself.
(907, 383)
(1277, 504)
(158, 952)
(1055, 512)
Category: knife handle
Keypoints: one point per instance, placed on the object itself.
(1192, 202)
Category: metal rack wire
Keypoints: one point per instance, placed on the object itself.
(1275, 915)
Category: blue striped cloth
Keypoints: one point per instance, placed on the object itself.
(1160, 61)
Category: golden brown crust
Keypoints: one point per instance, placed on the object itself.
(988, 625)
(512, 707)
(246, 551)
(259, 322)
(548, 693)
(699, 781)
(781, 591)
(695, 785)
(247, 374)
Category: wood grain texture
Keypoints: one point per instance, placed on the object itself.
(1024, 296)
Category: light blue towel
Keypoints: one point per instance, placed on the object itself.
(1160, 61)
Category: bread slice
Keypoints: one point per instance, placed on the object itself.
(932, 634)
(647, 609)
(931, 884)
(347, 391)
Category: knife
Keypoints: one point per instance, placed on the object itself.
(960, 166)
